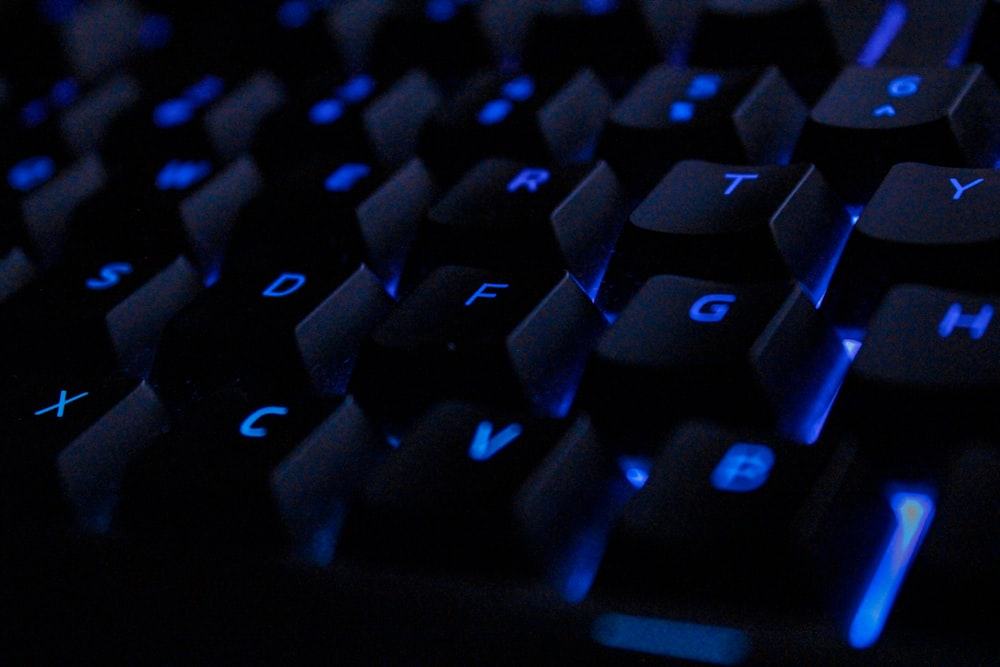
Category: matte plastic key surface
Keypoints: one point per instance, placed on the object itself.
(754, 353)
(870, 119)
(520, 215)
(731, 223)
(674, 113)
(925, 224)
(514, 338)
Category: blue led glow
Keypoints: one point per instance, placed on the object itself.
(636, 469)
(346, 175)
(64, 92)
(519, 89)
(711, 644)
(914, 512)
(681, 112)
(173, 113)
(34, 113)
(485, 444)
(249, 427)
(325, 112)
(704, 86)
(904, 86)
(155, 32)
(494, 111)
(110, 275)
(888, 27)
(440, 11)
(852, 347)
(743, 468)
(30, 173)
(60, 405)
(182, 174)
(293, 14)
(598, 7)
(357, 88)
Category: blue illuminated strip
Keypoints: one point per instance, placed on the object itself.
(914, 512)
(688, 641)
(888, 27)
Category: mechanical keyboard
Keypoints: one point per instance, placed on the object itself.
(496, 332)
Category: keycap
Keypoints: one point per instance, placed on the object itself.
(519, 215)
(673, 113)
(925, 224)
(944, 397)
(206, 480)
(265, 327)
(871, 119)
(444, 495)
(517, 116)
(731, 223)
(69, 436)
(315, 485)
(513, 338)
(753, 353)
(718, 504)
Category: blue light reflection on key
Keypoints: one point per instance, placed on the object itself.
(888, 27)
(598, 7)
(914, 512)
(681, 112)
(172, 113)
(358, 88)
(34, 113)
(440, 11)
(155, 32)
(716, 645)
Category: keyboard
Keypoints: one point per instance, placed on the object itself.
(495, 332)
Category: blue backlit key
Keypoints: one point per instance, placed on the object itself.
(925, 224)
(948, 395)
(870, 119)
(512, 338)
(731, 222)
(521, 215)
(674, 113)
(716, 515)
(206, 481)
(749, 352)
(445, 494)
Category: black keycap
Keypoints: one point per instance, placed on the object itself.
(750, 353)
(314, 486)
(795, 35)
(731, 223)
(925, 224)
(899, 403)
(205, 482)
(871, 119)
(674, 113)
(69, 437)
(445, 494)
(510, 338)
(523, 216)
(517, 116)
(718, 502)
(265, 327)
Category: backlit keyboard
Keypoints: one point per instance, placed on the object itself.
(496, 332)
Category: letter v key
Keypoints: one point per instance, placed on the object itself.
(485, 444)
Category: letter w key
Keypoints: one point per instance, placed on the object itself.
(485, 444)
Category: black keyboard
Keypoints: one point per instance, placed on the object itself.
(458, 332)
